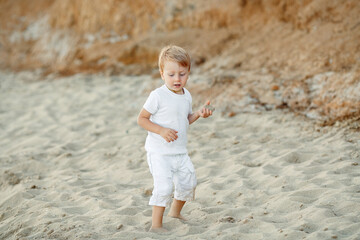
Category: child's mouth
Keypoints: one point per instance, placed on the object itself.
(177, 85)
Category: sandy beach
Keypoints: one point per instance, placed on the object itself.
(73, 166)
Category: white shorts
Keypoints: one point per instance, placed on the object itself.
(170, 170)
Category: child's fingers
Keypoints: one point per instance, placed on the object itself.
(173, 134)
(173, 137)
(170, 139)
(207, 110)
(170, 135)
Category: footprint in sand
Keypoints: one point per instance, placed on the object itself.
(129, 211)
(271, 169)
(308, 227)
(10, 178)
(292, 157)
(134, 164)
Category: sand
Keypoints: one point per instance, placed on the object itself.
(73, 166)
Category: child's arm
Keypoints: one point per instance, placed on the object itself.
(204, 113)
(143, 120)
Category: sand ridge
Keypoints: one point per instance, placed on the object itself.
(72, 166)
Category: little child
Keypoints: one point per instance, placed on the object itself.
(166, 115)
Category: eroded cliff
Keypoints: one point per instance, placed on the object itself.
(300, 54)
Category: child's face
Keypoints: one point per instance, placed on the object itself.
(175, 76)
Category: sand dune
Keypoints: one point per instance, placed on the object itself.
(73, 166)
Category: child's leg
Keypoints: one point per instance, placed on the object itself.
(161, 197)
(157, 217)
(175, 209)
(160, 168)
(185, 184)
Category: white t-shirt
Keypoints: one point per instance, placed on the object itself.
(169, 110)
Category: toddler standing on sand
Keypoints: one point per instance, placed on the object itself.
(166, 115)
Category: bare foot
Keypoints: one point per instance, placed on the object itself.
(181, 217)
(158, 230)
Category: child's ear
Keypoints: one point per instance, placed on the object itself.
(162, 75)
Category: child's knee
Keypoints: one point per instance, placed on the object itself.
(164, 188)
(162, 194)
(190, 184)
(187, 185)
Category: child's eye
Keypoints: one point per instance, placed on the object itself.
(171, 75)
(182, 74)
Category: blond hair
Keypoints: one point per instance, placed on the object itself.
(175, 54)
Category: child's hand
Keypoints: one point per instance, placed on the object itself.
(207, 110)
(169, 134)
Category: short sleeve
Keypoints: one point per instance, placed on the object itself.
(152, 103)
